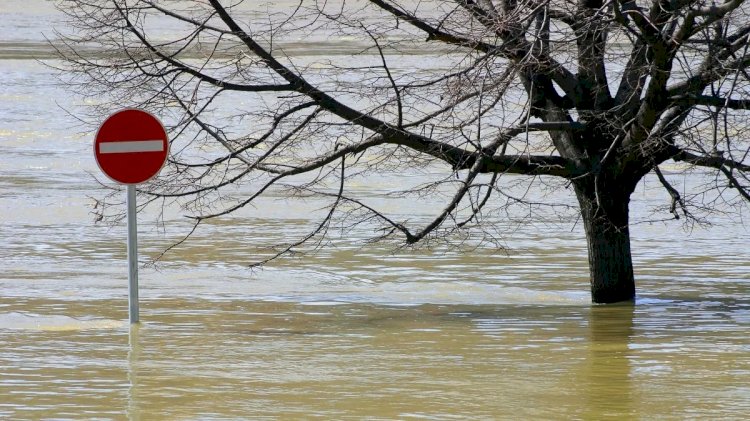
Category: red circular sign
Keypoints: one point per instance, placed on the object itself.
(131, 146)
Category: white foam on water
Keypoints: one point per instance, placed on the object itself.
(473, 293)
(54, 323)
(419, 293)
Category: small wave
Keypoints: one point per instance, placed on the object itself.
(477, 293)
(20, 50)
(54, 323)
(420, 293)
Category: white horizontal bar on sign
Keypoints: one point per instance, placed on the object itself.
(130, 146)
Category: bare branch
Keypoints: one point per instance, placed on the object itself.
(676, 197)
(744, 191)
(717, 162)
(320, 228)
(517, 50)
(712, 101)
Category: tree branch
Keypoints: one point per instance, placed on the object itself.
(518, 50)
(717, 162)
(735, 183)
(321, 227)
(453, 155)
(177, 65)
(712, 101)
(676, 197)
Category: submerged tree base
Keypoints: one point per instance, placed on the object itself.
(606, 224)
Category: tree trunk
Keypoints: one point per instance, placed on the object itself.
(608, 236)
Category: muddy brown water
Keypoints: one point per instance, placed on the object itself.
(353, 332)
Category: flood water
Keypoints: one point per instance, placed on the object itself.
(352, 332)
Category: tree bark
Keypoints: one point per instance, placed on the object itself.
(608, 237)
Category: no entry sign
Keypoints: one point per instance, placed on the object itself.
(131, 146)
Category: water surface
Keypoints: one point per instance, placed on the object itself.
(353, 331)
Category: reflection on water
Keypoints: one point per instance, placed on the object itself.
(205, 359)
(134, 351)
(608, 369)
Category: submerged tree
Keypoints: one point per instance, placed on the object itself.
(594, 93)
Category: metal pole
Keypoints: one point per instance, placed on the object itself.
(132, 256)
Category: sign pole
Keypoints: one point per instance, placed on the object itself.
(132, 256)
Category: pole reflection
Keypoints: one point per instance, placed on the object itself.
(134, 354)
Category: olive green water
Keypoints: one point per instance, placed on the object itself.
(353, 332)
(250, 359)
